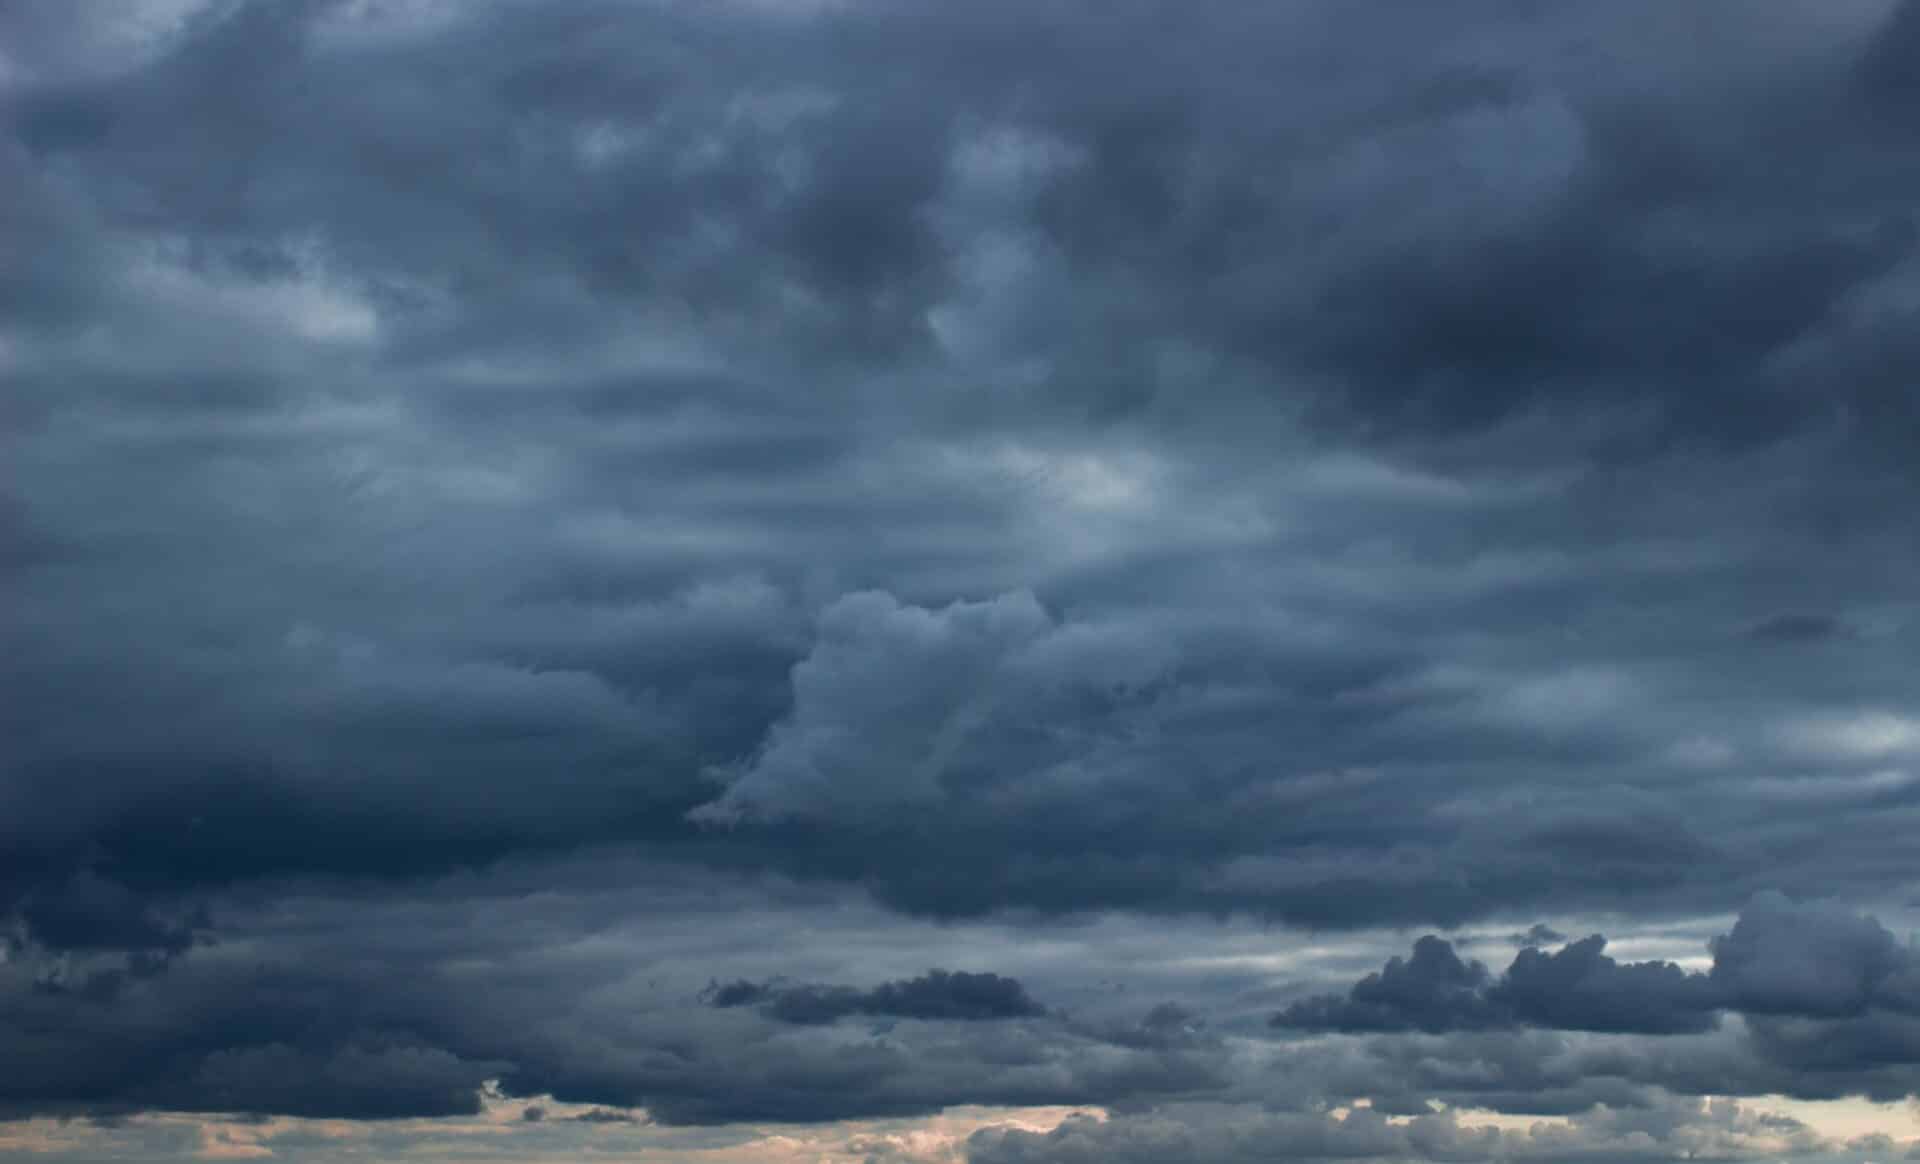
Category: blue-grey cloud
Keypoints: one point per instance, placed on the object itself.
(1780, 958)
(1343, 470)
(937, 994)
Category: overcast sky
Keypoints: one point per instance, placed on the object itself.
(938, 582)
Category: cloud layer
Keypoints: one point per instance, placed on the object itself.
(1089, 479)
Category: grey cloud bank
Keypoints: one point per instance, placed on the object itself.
(1779, 959)
(1359, 470)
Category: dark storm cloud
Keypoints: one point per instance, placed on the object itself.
(1280, 460)
(89, 913)
(1431, 991)
(563, 508)
(355, 1009)
(937, 994)
(1579, 988)
(241, 1040)
(1788, 959)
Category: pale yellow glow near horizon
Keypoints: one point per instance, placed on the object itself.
(1833, 1119)
(500, 1132)
(1848, 1118)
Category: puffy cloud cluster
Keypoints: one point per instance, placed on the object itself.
(1780, 959)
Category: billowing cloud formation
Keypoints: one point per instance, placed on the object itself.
(889, 705)
(1090, 466)
(937, 464)
(1787, 959)
(1432, 991)
(1780, 959)
(1580, 988)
